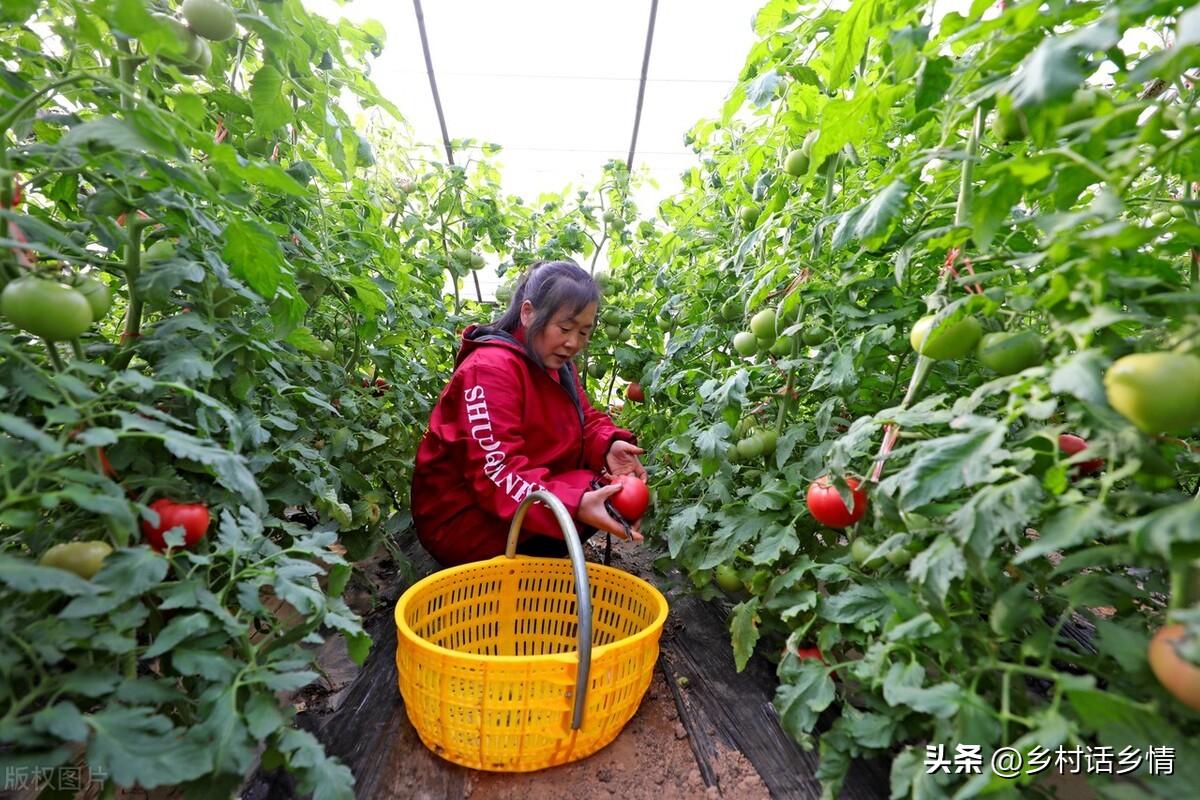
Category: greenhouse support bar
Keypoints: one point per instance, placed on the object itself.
(637, 116)
(437, 100)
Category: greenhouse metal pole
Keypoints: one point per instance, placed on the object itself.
(637, 117)
(437, 100)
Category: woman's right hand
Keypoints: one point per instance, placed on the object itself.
(592, 512)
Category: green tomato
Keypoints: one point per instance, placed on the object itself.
(790, 309)
(796, 163)
(188, 41)
(98, 297)
(1009, 352)
(815, 333)
(161, 250)
(203, 61)
(727, 578)
(899, 557)
(949, 341)
(48, 309)
(1009, 126)
(809, 140)
(750, 447)
(768, 439)
(82, 558)
(212, 19)
(363, 153)
(860, 551)
(762, 324)
(748, 214)
(1157, 392)
(731, 310)
(745, 343)
(596, 369)
(1160, 218)
(782, 347)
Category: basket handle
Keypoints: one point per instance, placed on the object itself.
(583, 594)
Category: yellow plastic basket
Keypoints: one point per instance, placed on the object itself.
(516, 664)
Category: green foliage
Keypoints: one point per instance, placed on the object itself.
(982, 540)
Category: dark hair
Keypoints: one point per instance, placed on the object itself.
(550, 286)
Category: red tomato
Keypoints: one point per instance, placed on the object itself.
(633, 498)
(192, 517)
(105, 466)
(827, 508)
(805, 653)
(1177, 676)
(634, 392)
(1071, 444)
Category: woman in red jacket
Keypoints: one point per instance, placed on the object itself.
(514, 418)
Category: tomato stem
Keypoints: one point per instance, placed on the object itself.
(55, 358)
(134, 225)
(963, 208)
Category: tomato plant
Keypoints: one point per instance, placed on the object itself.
(966, 222)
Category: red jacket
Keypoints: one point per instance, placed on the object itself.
(503, 427)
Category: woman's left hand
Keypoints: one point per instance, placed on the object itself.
(623, 459)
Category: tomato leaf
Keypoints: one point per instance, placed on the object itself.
(850, 38)
(136, 745)
(254, 254)
(996, 510)
(903, 685)
(1068, 528)
(269, 100)
(1055, 68)
(804, 691)
(743, 627)
(946, 464)
(63, 721)
(22, 575)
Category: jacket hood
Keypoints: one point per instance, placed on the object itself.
(476, 336)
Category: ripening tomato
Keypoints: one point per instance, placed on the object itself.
(192, 517)
(82, 558)
(1157, 392)
(808, 653)
(1071, 444)
(1179, 677)
(827, 507)
(632, 500)
(634, 392)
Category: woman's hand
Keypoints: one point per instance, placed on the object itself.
(592, 512)
(622, 459)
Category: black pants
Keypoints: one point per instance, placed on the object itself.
(548, 546)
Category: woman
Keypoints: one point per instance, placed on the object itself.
(514, 418)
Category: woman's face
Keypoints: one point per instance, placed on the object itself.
(563, 337)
